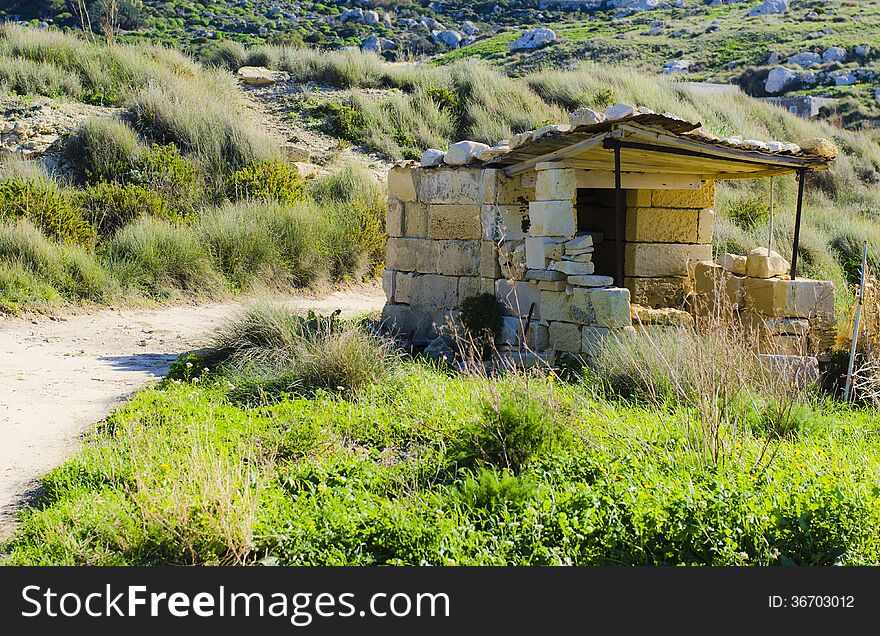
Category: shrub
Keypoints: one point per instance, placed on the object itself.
(39, 270)
(269, 351)
(488, 490)
(102, 149)
(20, 286)
(111, 206)
(355, 241)
(158, 258)
(481, 316)
(212, 131)
(349, 183)
(514, 426)
(228, 54)
(748, 212)
(48, 207)
(164, 171)
(267, 180)
(271, 241)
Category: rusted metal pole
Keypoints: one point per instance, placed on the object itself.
(801, 174)
(619, 214)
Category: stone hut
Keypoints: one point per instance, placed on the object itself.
(571, 226)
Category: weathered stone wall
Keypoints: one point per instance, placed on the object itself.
(456, 232)
(791, 317)
(666, 230)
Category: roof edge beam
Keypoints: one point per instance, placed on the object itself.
(562, 153)
(709, 151)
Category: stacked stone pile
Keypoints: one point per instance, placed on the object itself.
(792, 317)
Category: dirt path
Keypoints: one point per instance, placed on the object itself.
(60, 376)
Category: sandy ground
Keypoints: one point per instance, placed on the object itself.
(61, 375)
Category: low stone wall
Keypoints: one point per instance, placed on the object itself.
(791, 317)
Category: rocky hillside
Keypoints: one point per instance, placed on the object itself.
(814, 48)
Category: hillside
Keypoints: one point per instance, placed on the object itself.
(153, 149)
(813, 47)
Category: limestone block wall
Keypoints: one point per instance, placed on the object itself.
(458, 231)
(666, 230)
(791, 317)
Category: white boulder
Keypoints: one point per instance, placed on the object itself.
(585, 117)
(834, 54)
(807, 59)
(676, 66)
(432, 157)
(463, 152)
(779, 79)
(769, 7)
(618, 111)
(533, 39)
(450, 38)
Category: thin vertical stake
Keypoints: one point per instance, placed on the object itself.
(855, 339)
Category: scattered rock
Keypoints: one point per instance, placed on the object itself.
(818, 146)
(432, 157)
(807, 59)
(733, 263)
(760, 264)
(585, 117)
(533, 39)
(469, 27)
(490, 153)
(440, 349)
(843, 78)
(462, 153)
(769, 7)
(450, 38)
(834, 54)
(375, 44)
(258, 76)
(862, 50)
(618, 111)
(676, 66)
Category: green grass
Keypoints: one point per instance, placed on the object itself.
(426, 468)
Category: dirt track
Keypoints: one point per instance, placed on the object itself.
(58, 377)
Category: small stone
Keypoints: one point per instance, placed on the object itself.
(585, 117)
(581, 242)
(618, 111)
(544, 275)
(573, 268)
(591, 280)
(760, 264)
(462, 153)
(733, 263)
(818, 146)
(432, 157)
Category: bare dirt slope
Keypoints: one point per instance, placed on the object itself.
(58, 377)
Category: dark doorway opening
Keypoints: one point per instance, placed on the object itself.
(596, 215)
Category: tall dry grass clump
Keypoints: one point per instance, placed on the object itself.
(721, 388)
(269, 350)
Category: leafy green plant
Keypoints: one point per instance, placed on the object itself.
(48, 207)
(268, 180)
(748, 212)
(112, 206)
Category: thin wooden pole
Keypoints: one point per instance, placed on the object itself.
(855, 339)
(797, 222)
(619, 212)
(770, 233)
